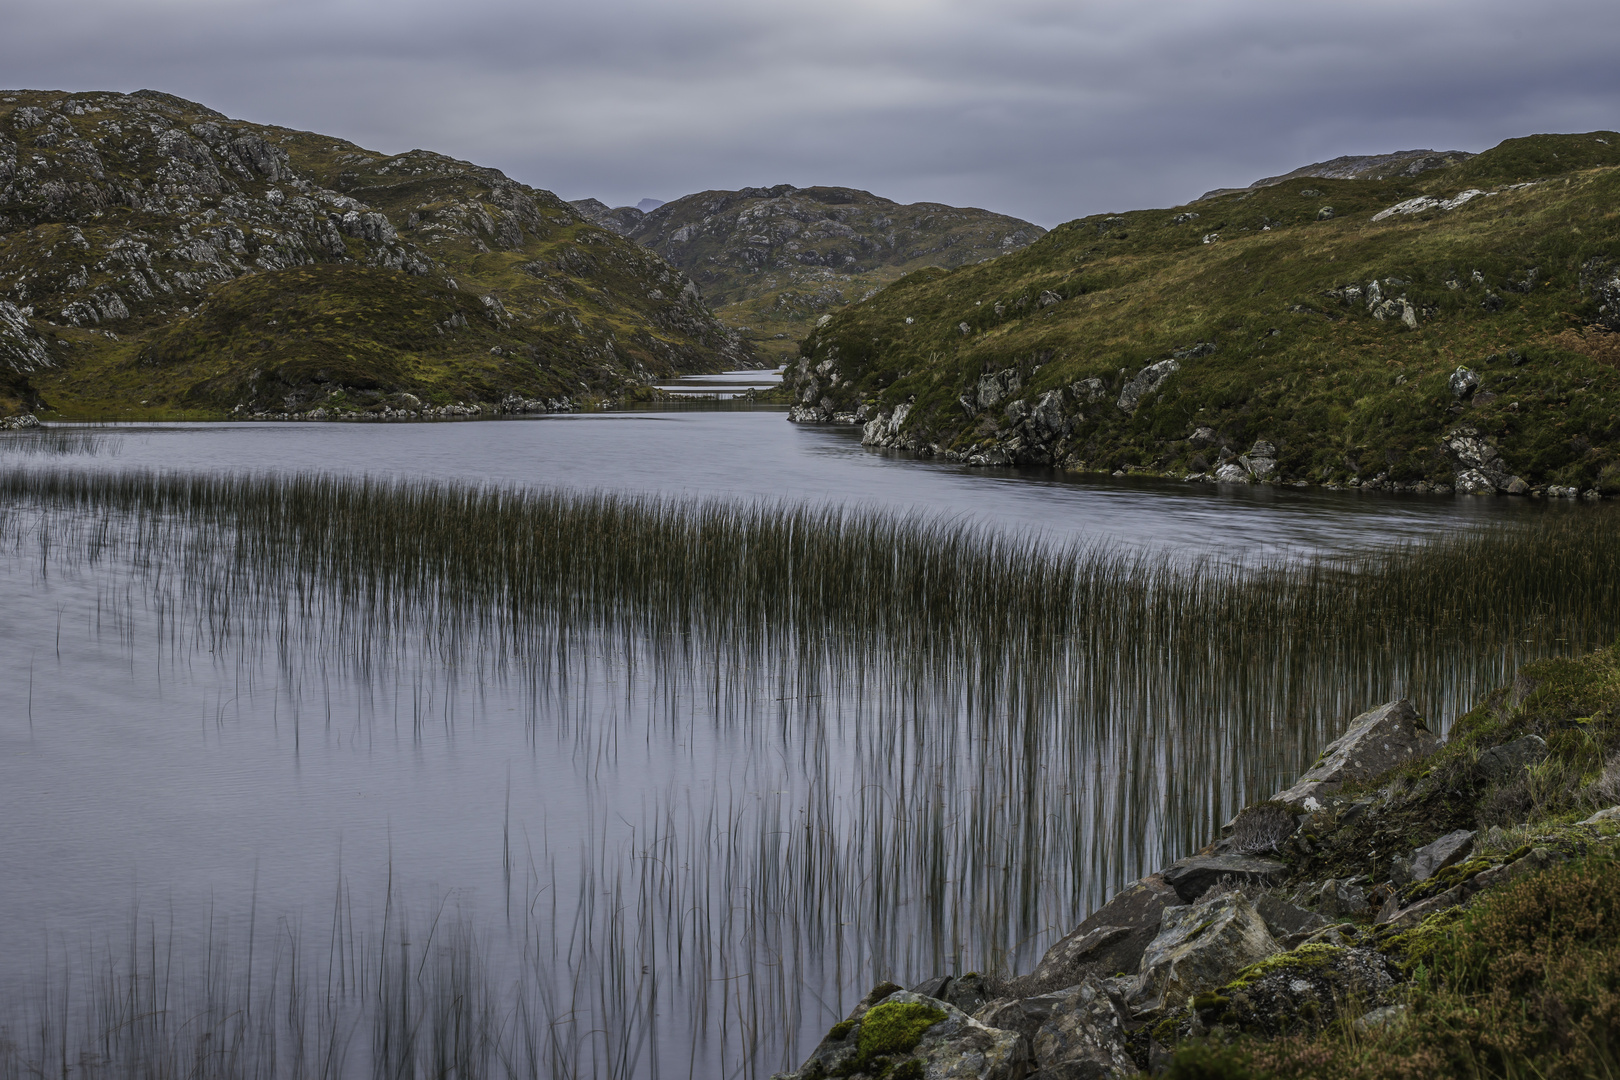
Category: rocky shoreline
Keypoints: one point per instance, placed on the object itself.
(1478, 469)
(1310, 913)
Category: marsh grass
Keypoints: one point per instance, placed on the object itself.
(978, 735)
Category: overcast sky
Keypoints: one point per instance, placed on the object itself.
(1043, 109)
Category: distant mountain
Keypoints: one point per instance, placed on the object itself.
(159, 258)
(1365, 167)
(647, 206)
(773, 260)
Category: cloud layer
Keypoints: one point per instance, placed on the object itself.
(1043, 109)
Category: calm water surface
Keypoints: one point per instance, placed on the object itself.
(147, 767)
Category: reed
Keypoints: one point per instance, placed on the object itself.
(979, 735)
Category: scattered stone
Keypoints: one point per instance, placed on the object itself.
(1200, 948)
(1203, 437)
(1325, 214)
(1509, 759)
(1449, 850)
(1383, 1018)
(1286, 920)
(1463, 383)
(1047, 299)
(1376, 741)
(1602, 816)
(1339, 899)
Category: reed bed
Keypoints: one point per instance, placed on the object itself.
(977, 736)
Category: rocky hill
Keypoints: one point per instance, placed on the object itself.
(1455, 329)
(1362, 167)
(158, 258)
(773, 260)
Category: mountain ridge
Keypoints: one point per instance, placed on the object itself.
(771, 260)
(138, 232)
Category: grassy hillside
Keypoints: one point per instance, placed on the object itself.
(1300, 315)
(773, 260)
(160, 259)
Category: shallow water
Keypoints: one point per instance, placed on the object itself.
(150, 764)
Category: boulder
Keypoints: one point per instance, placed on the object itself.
(1084, 1037)
(1449, 850)
(1261, 460)
(1232, 474)
(1602, 816)
(1377, 741)
(1109, 940)
(993, 389)
(891, 1027)
(1144, 383)
(966, 992)
(1200, 947)
(1508, 760)
(1286, 920)
(1463, 383)
(1192, 877)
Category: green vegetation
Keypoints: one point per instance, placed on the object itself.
(1348, 384)
(167, 261)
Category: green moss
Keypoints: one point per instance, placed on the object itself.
(841, 1030)
(895, 1028)
(1305, 958)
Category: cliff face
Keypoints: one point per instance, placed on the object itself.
(1459, 329)
(773, 260)
(158, 257)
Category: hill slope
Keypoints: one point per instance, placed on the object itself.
(772, 260)
(158, 258)
(1396, 332)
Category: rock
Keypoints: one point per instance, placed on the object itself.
(1305, 989)
(955, 1046)
(1192, 877)
(21, 349)
(1393, 914)
(1509, 759)
(1084, 1037)
(964, 329)
(1232, 474)
(1463, 383)
(1261, 460)
(1203, 437)
(1383, 1018)
(17, 423)
(1199, 948)
(993, 389)
(1047, 421)
(1602, 816)
(1339, 899)
(1047, 299)
(1325, 214)
(1286, 920)
(1110, 939)
(1376, 741)
(1449, 850)
(1145, 382)
(966, 992)
(1089, 391)
(1023, 1015)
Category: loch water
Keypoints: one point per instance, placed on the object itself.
(691, 860)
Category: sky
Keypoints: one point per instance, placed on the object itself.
(1041, 109)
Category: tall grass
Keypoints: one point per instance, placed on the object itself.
(979, 735)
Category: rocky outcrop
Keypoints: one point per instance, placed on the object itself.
(1480, 469)
(1110, 940)
(1377, 741)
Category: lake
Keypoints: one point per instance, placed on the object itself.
(689, 855)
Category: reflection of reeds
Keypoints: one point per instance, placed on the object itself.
(980, 735)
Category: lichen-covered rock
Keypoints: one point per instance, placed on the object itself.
(1302, 990)
(966, 992)
(1376, 741)
(1144, 383)
(1449, 849)
(1084, 1036)
(901, 1035)
(1286, 920)
(1109, 941)
(1507, 760)
(1200, 948)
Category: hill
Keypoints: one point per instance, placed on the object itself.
(773, 260)
(1361, 167)
(160, 259)
(1453, 328)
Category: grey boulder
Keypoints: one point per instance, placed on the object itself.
(1508, 760)
(1144, 383)
(957, 1047)
(1084, 1037)
(1449, 850)
(1109, 940)
(1200, 947)
(1192, 877)
(1377, 741)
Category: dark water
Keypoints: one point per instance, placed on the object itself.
(146, 767)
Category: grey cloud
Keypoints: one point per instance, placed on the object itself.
(1045, 110)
